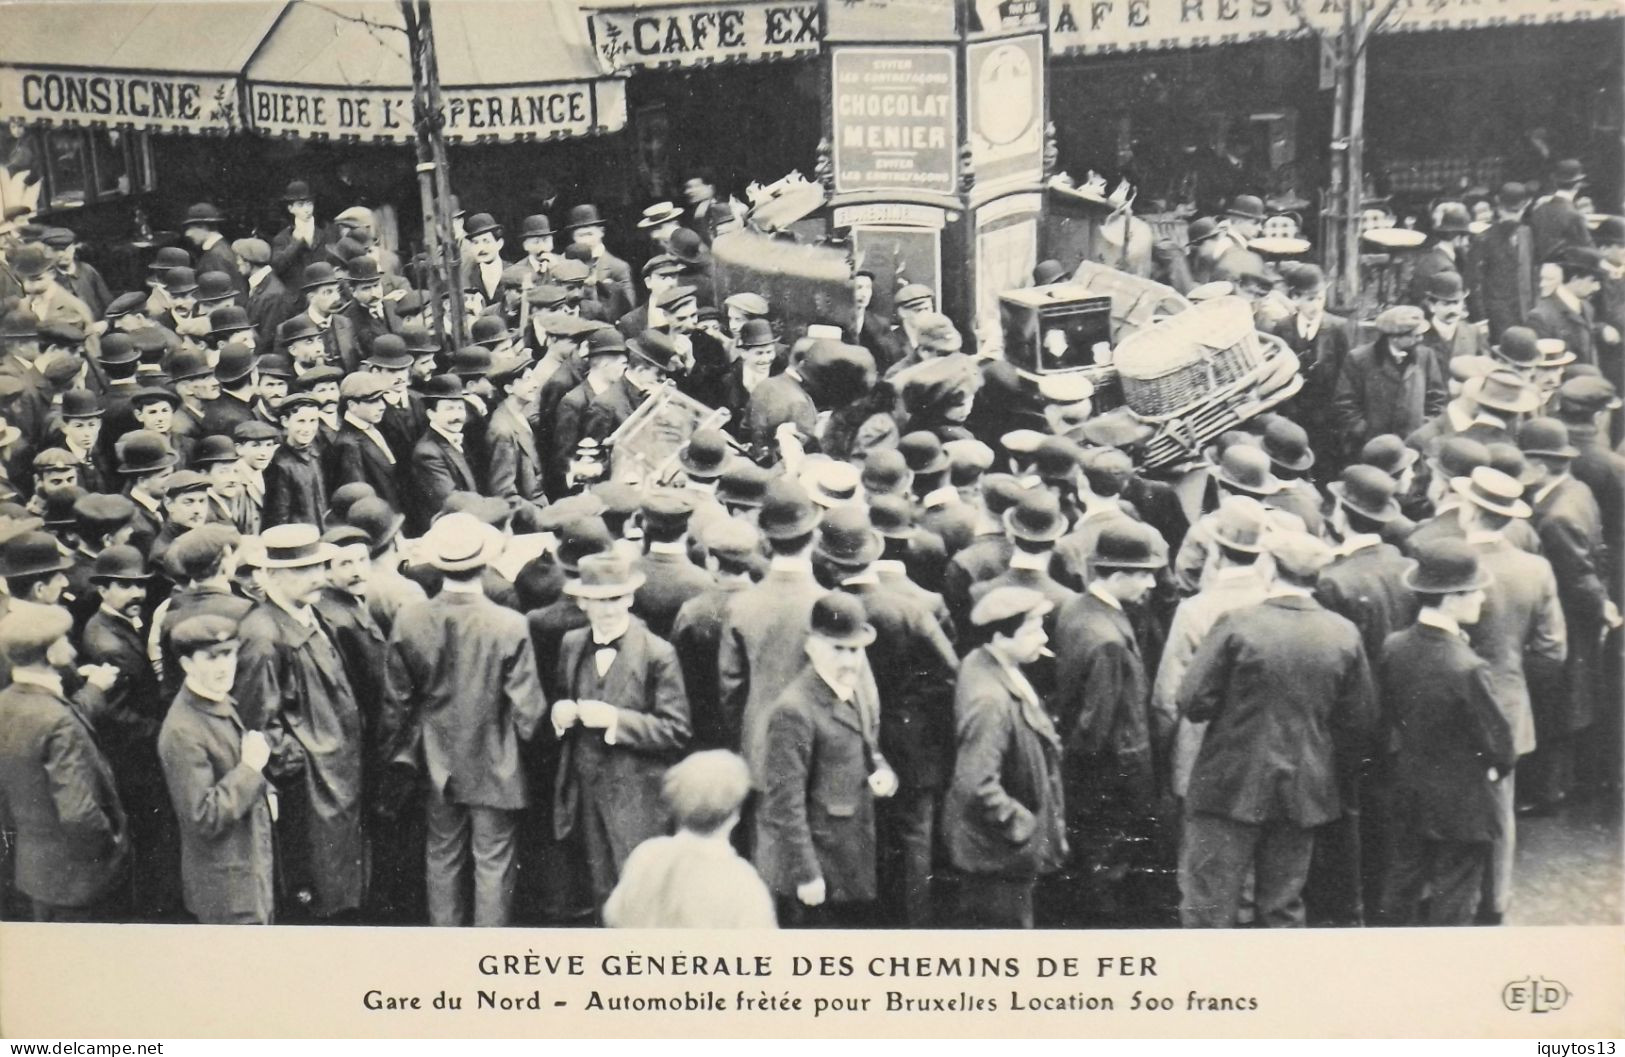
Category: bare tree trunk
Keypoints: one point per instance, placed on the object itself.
(434, 175)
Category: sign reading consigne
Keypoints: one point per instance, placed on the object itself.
(528, 112)
(153, 101)
(696, 34)
(895, 119)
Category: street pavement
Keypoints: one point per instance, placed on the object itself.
(1569, 869)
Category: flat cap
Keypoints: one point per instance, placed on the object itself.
(731, 537)
(202, 632)
(1402, 319)
(364, 386)
(1002, 603)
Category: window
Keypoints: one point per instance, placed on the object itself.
(76, 167)
(67, 167)
(112, 160)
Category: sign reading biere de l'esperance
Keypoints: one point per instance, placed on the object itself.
(538, 111)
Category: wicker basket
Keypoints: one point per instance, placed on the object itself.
(1178, 362)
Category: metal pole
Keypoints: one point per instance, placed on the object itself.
(431, 118)
(1336, 200)
(431, 278)
(1356, 151)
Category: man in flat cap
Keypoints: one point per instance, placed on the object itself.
(72, 842)
(513, 463)
(215, 767)
(1312, 702)
(360, 451)
(1392, 385)
(670, 577)
(81, 278)
(295, 486)
(269, 301)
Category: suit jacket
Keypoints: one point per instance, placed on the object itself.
(1502, 275)
(367, 327)
(1102, 706)
(1570, 528)
(1441, 715)
(1603, 471)
(670, 580)
(295, 488)
(1555, 224)
(224, 414)
(57, 795)
(1375, 395)
(780, 398)
(987, 556)
(1467, 340)
(1435, 258)
(611, 279)
(877, 333)
(291, 683)
(1551, 318)
(1003, 811)
(764, 639)
(340, 341)
(227, 868)
(289, 257)
(1520, 633)
(461, 691)
(86, 283)
(269, 303)
(353, 456)
(914, 668)
(127, 730)
(513, 465)
(816, 818)
(1368, 588)
(403, 424)
(1287, 695)
(608, 410)
(620, 783)
(696, 635)
(436, 471)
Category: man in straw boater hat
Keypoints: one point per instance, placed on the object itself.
(70, 840)
(822, 761)
(461, 692)
(214, 765)
(1570, 526)
(291, 683)
(1312, 702)
(623, 718)
(1102, 707)
(1002, 819)
(1453, 746)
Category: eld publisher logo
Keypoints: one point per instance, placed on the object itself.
(1534, 995)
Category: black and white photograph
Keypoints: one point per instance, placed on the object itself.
(1085, 466)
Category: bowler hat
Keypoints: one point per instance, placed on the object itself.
(1512, 195)
(228, 319)
(1367, 491)
(705, 455)
(535, 226)
(347, 495)
(659, 213)
(1445, 566)
(276, 365)
(297, 191)
(1445, 286)
(743, 484)
(914, 294)
(1502, 390)
(389, 352)
(1248, 207)
(188, 363)
(1568, 173)
(730, 537)
(1586, 260)
(922, 452)
(294, 546)
(755, 334)
(654, 349)
(32, 554)
(840, 618)
(81, 403)
(254, 251)
(1547, 437)
(118, 349)
(885, 472)
(143, 451)
(1201, 229)
(1036, 517)
(1003, 603)
(1389, 454)
(845, 537)
(1287, 444)
(1493, 490)
(572, 273)
(606, 341)
(196, 552)
(787, 510)
(1609, 232)
(1453, 219)
(1244, 468)
(148, 394)
(442, 387)
(120, 563)
(202, 213)
(19, 323)
(687, 246)
(605, 575)
(31, 261)
(892, 516)
(178, 281)
(1458, 456)
(479, 224)
(580, 536)
(583, 216)
(217, 447)
(235, 364)
(672, 298)
(377, 519)
(1129, 545)
(320, 273)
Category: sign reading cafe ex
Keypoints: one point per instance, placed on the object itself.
(696, 34)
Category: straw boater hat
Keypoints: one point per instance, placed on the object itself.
(294, 546)
(1494, 491)
(460, 541)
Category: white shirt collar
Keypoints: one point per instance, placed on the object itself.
(204, 692)
(1039, 562)
(1447, 331)
(789, 563)
(1567, 297)
(45, 680)
(1309, 326)
(303, 614)
(454, 439)
(1280, 590)
(321, 319)
(845, 693)
(1100, 592)
(258, 276)
(668, 547)
(1435, 619)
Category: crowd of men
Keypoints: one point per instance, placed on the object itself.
(309, 618)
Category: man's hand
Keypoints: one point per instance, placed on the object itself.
(1610, 335)
(565, 715)
(1610, 614)
(883, 783)
(101, 676)
(256, 751)
(598, 715)
(812, 893)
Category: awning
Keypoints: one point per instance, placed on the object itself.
(1097, 26)
(509, 69)
(634, 34)
(163, 67)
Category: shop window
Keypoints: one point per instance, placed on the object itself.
(110, 150)
(68, 170)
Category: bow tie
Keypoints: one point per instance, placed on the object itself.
(611, 645)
